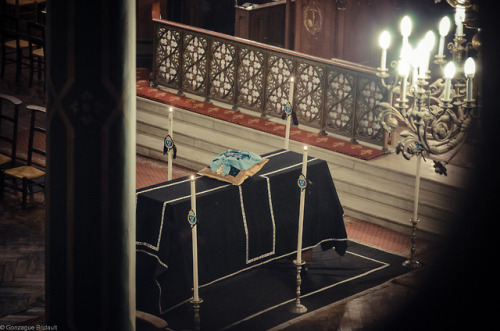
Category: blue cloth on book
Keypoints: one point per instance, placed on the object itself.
(232, 162)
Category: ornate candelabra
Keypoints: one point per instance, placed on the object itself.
(437, 115)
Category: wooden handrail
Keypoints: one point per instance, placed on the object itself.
(335, 62)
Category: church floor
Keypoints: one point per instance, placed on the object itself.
(22, 256)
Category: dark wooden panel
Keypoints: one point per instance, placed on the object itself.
(264, 23)
(314, 27)
(349, 30)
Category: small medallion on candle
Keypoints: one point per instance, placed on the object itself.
(302, 182)
(288, 109)
(169, 142)
(169, 145)
(192, 218)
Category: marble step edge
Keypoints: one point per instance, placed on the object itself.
(390, 217)
(391, 201)
(210, 140)
(388, 189)
(187, 156)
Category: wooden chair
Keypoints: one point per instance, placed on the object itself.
(36, 40)
(12, 42)
(147, 322)
(8, 130)
(26, 177)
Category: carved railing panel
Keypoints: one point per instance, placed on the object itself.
(370, 94)
(250, 84)
(167, 60)
(331, 95)
(195, 63)
(339, 102)
(222, 71)
(309, 93)
(280, 70)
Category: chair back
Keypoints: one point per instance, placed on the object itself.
(36, 35)
(9, 120)
(22, 9)
(37, 141)
(10, 29)
(36, 45)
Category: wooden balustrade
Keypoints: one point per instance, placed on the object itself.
(331, 95)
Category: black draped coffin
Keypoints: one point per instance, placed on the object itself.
(239, 227)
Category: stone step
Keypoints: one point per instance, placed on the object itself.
(187, 123)
(187, 156)
(389, 216)
(32, 281)
(241, 135)
(392, 193)
(396, 168)
(207, 139)
(13, 300)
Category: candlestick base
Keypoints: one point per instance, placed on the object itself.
(402, 104)
(439, 59)
(297, 308)
(382, 73)
(469, 103)
(412, 264)
(195, 302)
(196, 311)
(297, 263)
(447, 103)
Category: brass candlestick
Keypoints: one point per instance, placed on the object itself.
(296, 307)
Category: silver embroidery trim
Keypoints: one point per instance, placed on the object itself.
(244, 218)
(157, 247)
(249, 268)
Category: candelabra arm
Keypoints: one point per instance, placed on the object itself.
(389, 123)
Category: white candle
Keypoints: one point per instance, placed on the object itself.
(171, 133)
(290, 95)
(405, 30)
(441, 46)
(384, 42)
(301, 208)
(429, 41)
(449, 72)
(287, 132)
(403, 69)
(444, 28)
(469, 70)
(193, 194)
(288, 118)
(447, 88)
(383, 59)
(171, 118)
(459, 20)
(194, 236)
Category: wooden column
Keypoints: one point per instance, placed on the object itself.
(288, 25)
(339, 31)
(90, 264)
